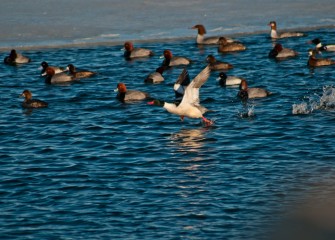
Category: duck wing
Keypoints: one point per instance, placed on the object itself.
(181, 83)
(191, 95)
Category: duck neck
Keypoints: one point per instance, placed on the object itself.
(121, 96)
(200, 38)
(170, 107)
(166, 62)
(48, 79)
(127, 54)
(274, 33)
(223, 82)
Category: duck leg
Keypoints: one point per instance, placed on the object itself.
(207, 121)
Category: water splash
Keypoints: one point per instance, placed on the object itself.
(326, 101)
(302, 108)
(248, 111)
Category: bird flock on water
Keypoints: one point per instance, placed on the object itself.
(187, 100)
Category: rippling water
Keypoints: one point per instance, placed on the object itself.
(90, 167)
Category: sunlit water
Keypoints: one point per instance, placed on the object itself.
(90, 167)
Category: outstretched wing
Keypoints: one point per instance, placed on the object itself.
(181, 83)
(191, 95)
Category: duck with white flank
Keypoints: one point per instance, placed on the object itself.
(225, 80)
(313, 61)
(225, 46)
(124, 95)
(217, 65)
(276, 35)
(280, 53)
(16, 58)
(319, 47)
(190, 106)
(209, 40)
(132, 52)
(31, 103)
(170, 60)
(246, 93)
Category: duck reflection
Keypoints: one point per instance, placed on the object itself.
(189, 140)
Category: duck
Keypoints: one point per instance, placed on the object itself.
(209, 40)
(189, 106)
(170, 60)
(225, 80)
(318, 62)
(79, 74)
(45, 65)
(275, 35)
(124, 95)
(16, 58)
(156, 77)
(180, 85)
(225, 46)
(319, 47)
(280, 53)
(131, 52)
(31, 103)
(246, 93)
(53, 78)
(217, 65)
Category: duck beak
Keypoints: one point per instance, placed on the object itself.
(150, 103)
(116, 90)
(162, 56)
(218, 78)
(123, 49)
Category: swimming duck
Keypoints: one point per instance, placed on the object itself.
(280, 53)
(31, 103)
(156, 77)
(189, 106)
(225, 46)
(180, 85)
(131, 52)
(125, 95)
(16, 58)
(45, 65)
(217, 65)
(275, 35)
(80, 74)
(246, 93)
(53, 78)
(170, 60)
(318, 62)
(225, 80)
(319, 47)
(209, 40)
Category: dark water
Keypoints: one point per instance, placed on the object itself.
(89, 167)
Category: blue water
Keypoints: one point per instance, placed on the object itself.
(90, 167)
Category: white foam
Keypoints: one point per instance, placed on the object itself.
(316, 102)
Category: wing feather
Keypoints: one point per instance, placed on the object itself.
(191, 95)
